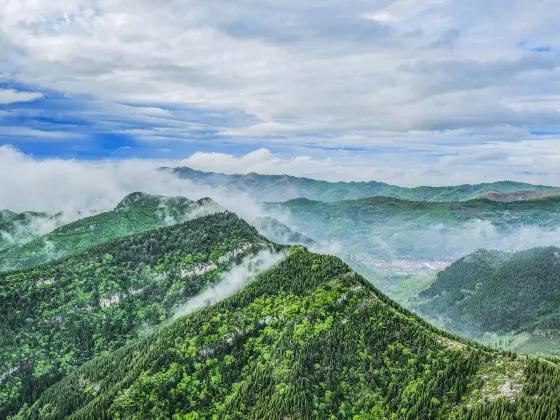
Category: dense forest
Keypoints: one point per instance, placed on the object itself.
(308, 339)
(498, 292)
(57, 316)
(398, 228)
(285, 187)
(136, 213)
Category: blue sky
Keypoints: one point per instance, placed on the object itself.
(403, 91)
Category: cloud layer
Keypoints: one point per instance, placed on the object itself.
(408, 79)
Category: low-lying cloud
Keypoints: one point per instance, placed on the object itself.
(80, 187)
(232, 281)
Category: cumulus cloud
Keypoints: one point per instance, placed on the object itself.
(473, 165)
(427, 65)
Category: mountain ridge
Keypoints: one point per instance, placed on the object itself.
(307, 339)
(137, 212)
(285, 187)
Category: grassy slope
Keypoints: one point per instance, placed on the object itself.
(309, 339)
(55, 317)
(136, 213)
(382, 224)
(284, 187)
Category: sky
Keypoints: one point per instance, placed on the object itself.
(408, 92)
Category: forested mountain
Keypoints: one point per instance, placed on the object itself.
(285, 187)
(498, 292)
(396, 228)
(19, 228)
(308, 339)
(520, 195)
(136, 213)
(56, 316)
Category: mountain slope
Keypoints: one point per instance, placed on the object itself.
(392, 227)
(57, 316)
(136, 213)
(19, 228)
(308, 339)
(498, 292)
(285, 187)
(520, 195)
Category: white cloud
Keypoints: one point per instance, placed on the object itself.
(31, 132)
(475, 165)
(414, 73)
(10, 96)
(53, 185)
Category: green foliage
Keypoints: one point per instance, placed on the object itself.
(309, 339)
(57, 316)
(498, 292)
(136, 213)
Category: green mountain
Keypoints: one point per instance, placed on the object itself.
(520, 195)
(57, 316)
(308, 339)
(19, 228)
(399, 228)
(136, 213)
(498, 292)
(285, 187)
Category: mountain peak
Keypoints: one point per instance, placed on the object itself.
(135, 198)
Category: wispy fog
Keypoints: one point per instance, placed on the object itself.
(232, 281)
(78, 187)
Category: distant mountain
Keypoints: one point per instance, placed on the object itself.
(285, 187)
(500, 292)
(279, 233)
(136, 213)
(19, 228)
(520, 195)
(308, 339)
(394, 228)
(56, 316)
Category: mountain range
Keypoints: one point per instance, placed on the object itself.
(179, 309)
(285, 187)
(307, 338)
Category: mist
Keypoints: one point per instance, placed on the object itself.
(231, 282)
(79, 188)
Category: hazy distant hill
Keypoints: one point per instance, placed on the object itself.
(520, 195)
(19, 228)
(279, 233)
(392, 227)
(308, 339)
(285, 187)
(137, 212)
